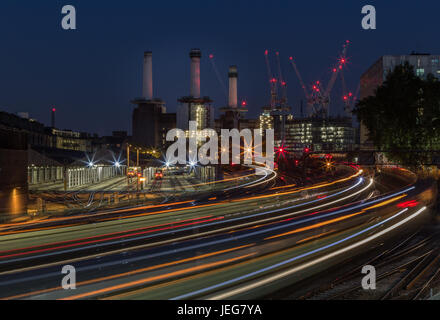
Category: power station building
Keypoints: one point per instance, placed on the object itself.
(194, 107)
(150, 120)
(232, 113)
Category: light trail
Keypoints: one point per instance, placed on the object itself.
(172, 210)
(324, 223)
(196, 247)
(20, 224)
(130, 273)
(320, 217)
(303, 266)
(89, 239)
(214, 182)
(303, 189)
(258, 181)
(159, 277)
(90, 246)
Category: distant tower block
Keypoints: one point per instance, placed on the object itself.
(147, 129)
(232, 114)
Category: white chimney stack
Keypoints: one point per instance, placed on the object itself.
(233, 75)
(195, 56)
(147, 85)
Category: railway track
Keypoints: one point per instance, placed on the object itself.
(406, 271)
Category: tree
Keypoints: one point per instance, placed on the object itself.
(403, 116)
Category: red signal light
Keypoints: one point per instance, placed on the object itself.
(211, 56)
(53, 109)
(266, 52)
(408, 204)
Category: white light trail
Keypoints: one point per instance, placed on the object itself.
(306, 265)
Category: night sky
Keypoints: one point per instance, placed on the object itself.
(91, 74)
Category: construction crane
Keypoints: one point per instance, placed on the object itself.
(283, 84)
(349, 98)
(338, 68)
(219, 78)
(309, 98)
(318, 100)
(278, 106)
(272, 81)
(345, 95)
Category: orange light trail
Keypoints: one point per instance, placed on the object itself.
(129, 273)
(98, 214)
(324, 223)
(159, 277)
(127, 232)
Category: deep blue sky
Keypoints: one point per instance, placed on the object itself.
(91, 74)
